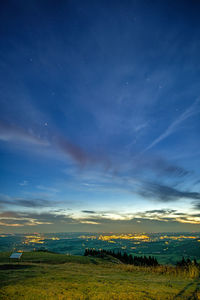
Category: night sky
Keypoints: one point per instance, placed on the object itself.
(99, 116)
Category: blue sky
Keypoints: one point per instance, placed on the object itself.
(99, 116)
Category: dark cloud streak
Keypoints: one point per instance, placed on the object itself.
(31, 203)
(164, 193)
(89, 211)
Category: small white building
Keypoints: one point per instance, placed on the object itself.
(16, 255)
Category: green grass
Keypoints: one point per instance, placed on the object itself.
(57, 276)
(46, 257)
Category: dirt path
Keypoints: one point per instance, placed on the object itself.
(193, 294)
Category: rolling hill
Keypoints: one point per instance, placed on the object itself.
(44, 275)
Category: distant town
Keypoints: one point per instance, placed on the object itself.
(167, 247)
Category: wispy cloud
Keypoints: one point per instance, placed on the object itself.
(141, 126)
(47, 189)
(14, 133)
(163, 215)
(135, 183)
(23, 183)
(21, 219)
(24, 202)
(60, 220)
(52, 142)
(191, 111)
(164, 193)
(197, 205)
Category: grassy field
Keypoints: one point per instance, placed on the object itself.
(56, 276)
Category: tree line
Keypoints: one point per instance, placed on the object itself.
(124, 257)
(187, 262)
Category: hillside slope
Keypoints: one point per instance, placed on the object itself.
(55, 276)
